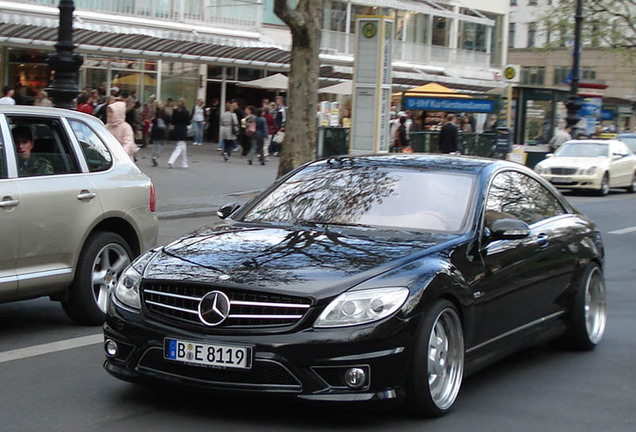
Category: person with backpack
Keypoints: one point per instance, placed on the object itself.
(249, 127)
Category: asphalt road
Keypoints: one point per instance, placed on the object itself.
(47, 385)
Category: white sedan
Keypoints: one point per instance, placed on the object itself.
(591, 164)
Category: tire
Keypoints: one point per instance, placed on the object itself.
(632, 187)
(104, 257)
(589, 314)
(604, 189)
(438, 362)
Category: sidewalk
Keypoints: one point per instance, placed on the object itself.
(208, 183)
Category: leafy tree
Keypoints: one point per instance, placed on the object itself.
(608, 24)
(301, 130)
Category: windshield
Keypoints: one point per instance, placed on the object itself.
(369, 196)
(579, 149)
(631, 143)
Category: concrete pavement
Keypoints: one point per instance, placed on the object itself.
(208, 183)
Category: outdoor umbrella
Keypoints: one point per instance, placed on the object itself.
(273, 82)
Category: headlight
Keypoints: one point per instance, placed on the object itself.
(127, 289)
(591, 170)
(540, 170)
(361, 307)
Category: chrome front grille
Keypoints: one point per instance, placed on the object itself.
(180, 302)
(562, 171)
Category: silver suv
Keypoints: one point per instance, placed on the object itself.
(74, 210)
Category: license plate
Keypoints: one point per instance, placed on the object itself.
(561, 180)
(219, 355)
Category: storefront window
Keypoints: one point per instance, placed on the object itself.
(417, 28)
(335, 16)
(28, 73)
(245, 74)
(440, 31)
(180, 80)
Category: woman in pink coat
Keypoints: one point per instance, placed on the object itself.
(117, 125)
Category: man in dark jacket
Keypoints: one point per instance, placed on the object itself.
(448, 136)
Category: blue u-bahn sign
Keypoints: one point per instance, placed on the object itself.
(449, 104)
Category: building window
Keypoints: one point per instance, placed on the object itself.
(533, 75)
(532, 34)
(561, 74)
(511, 34)
(513, 2)
(532, 2)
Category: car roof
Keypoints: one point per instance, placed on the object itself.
(465, 164)
(39, 110)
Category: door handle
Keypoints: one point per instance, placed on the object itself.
(543, 240)
(8, 203)
(86, 195)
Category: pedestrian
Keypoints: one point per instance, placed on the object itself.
(466, 125)
(560, 137)
(241, 138)
(214, 116)
(491, 124)
(180, 121)
(448, 136)
(168, 109)
(82, 105)
(402, 137)
(198, 122)
(121, 130)
(159, 131)
(145, 120)
(271, 127)
(280, 115)
(249, 127)
(229, 130)
(261, 135)
(42, 99)
(7, 96)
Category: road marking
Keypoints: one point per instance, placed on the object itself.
(52, 347)
(624, 230)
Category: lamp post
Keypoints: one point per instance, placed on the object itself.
(574, 103)
(63, 88)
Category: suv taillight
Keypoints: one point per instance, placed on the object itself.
(153, 198)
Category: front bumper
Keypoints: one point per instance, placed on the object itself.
(308, 363)
(574, 181)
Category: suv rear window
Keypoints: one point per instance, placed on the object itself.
(95, 151)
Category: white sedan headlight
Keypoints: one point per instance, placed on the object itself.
(540, 170)
(590, 170)
(127, 289)
(361, 307)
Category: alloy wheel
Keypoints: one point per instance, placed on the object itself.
(595, 307)
(110, 262)
(445, 358)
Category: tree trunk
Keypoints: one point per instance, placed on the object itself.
(301, 129)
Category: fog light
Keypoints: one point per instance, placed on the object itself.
(355, 378)
(111, 348)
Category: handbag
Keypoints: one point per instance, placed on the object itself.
(161, 124)
(251, 128)
(279, 137)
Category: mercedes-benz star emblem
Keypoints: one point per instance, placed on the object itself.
(214, 308)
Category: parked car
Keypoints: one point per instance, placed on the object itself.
(629, 139)
(74, 210)
(368, 278)
(596, 165)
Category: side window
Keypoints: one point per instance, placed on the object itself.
(3, 160)
(42, 147)
(513, 194)
(95, 151)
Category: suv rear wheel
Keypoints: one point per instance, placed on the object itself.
(104, 257)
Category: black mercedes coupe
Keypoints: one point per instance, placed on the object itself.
(364, 278)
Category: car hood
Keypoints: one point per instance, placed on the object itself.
(574, 162)
(317, 263)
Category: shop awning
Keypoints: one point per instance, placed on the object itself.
(150, 47)
(434, 90)
(273, 82)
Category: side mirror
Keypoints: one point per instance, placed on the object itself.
(617, 156)
(227, 209)
(509, 229)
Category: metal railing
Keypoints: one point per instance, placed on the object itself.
(235, 14)
(344, 43)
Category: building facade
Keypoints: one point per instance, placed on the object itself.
(603, 73)
(207, 48)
